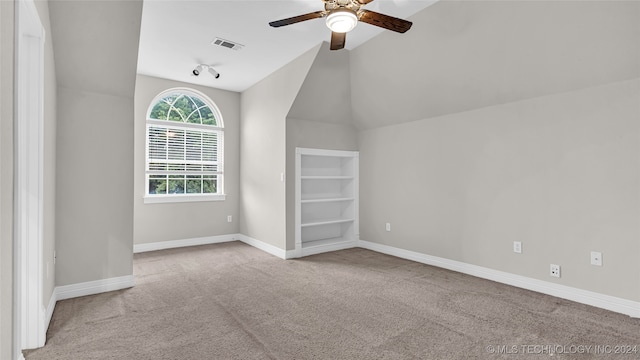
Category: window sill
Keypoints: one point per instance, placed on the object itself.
(159, 199)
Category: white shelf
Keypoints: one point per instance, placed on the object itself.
(322, 242)
(311, 201)
(327, 222)
(325, 245)
(326, 177)
(325, 152)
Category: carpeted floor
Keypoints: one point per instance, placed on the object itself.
(232, 301)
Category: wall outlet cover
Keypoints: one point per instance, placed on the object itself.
(554, 270)
(517, 247)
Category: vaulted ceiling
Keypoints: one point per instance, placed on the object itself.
(458, 56)
(177, 35)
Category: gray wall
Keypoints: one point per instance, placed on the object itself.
(320, 117)
(6, 177)
(96, 46)
(501, 122)
(176, 221)
(264, 108)
(94, 229)
(559, 173)
(325, 95)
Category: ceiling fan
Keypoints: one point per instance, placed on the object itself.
(343, 15)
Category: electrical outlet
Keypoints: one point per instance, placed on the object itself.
(388, 227)
(229, 218)
(517, 247)
(554, 270)
(596, 258)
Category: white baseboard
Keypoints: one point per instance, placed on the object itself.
(328, 247)
(273, 250)
(291, 254)
(171, 244)
(50, 308)
(162, 245)
(619, 305)
(93, 287)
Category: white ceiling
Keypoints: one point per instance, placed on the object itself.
(176, 35)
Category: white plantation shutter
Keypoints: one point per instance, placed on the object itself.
(183, 153)
(173, 150)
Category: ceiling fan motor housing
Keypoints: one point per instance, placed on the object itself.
(354, 5)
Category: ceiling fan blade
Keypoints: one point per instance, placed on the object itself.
(338, 40)
(364, 2)
(385, 21)
(299, 18)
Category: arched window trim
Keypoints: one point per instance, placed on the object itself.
(217, 129)
(183, 90)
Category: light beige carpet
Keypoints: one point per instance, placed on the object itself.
(232, 301)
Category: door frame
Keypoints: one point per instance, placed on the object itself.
(29, 314)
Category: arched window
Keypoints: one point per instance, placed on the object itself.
(184, 148)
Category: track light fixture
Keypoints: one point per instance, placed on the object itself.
(198, 69)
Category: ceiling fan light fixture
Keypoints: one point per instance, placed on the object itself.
(342, 20)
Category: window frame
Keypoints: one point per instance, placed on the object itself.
(218, 129)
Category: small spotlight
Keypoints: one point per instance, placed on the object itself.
(213, 72)
(197, 70)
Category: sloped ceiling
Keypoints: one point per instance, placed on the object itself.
(463, 55)
(325, 94)
(96, 44)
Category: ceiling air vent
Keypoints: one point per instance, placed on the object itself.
(226, 43)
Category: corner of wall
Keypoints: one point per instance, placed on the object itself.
(264, 108)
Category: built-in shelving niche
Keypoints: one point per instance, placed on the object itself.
(326, 200)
